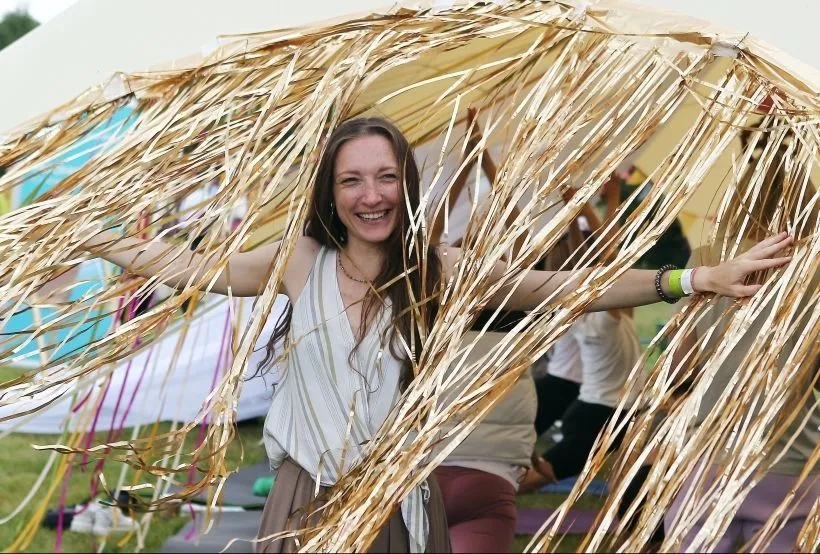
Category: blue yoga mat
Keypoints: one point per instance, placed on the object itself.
(596, 488)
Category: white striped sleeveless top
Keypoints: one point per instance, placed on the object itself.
(321, 385)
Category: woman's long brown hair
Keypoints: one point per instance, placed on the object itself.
(413, 297)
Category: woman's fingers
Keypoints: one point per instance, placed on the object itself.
(770, 250)
(769, 242)
(751, 266)
(769, 263)
(729, 277)
(746, 290)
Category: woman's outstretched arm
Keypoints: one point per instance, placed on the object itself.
(243, 275)
(637, 286)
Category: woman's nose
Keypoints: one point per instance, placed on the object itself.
(372, 193)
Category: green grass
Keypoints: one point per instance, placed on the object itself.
(569, 543)
(648, 319)
(20, 465)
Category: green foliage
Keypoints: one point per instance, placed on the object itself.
(14, 25)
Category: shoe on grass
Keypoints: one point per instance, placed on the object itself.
(111, 520)
(85, 517)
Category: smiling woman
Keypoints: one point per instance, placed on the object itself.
(563, 95)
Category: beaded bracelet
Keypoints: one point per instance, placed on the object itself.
(663, 296)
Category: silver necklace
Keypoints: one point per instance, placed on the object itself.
(348, 275)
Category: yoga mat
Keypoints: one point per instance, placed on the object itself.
(595, 488)
(238, 490)
(227, 526)
(577, 522)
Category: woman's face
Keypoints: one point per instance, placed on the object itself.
(366, 188)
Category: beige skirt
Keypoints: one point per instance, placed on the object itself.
(294, 488)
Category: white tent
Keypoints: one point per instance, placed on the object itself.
(94, 39)
(148, 386)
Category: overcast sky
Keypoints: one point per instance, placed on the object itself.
(41, 10)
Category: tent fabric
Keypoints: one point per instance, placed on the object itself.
(658, 29)
(86, 45)
(422, 117)
(158, 390)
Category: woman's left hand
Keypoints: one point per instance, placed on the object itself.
(729, 278)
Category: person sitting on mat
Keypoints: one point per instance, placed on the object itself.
(587, 369)
(480, 477)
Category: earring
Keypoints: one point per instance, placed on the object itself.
(342, 236)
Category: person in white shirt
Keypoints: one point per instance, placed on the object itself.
(602, 347)
(586, 371)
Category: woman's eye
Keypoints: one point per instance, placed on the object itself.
(389, 177)
(350, 181)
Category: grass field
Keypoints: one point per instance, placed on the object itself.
(569, 543)
(20, 465)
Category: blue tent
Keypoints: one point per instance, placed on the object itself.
(75, 332)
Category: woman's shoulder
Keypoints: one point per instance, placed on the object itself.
(448, 255)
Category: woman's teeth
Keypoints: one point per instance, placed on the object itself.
(375, 216)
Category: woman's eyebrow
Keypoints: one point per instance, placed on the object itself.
(357, 172)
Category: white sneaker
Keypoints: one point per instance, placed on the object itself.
(83, 522)
(110, 519)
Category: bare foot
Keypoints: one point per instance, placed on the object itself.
(531, 481)
(540, 474)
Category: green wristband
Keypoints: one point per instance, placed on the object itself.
(674, 283)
